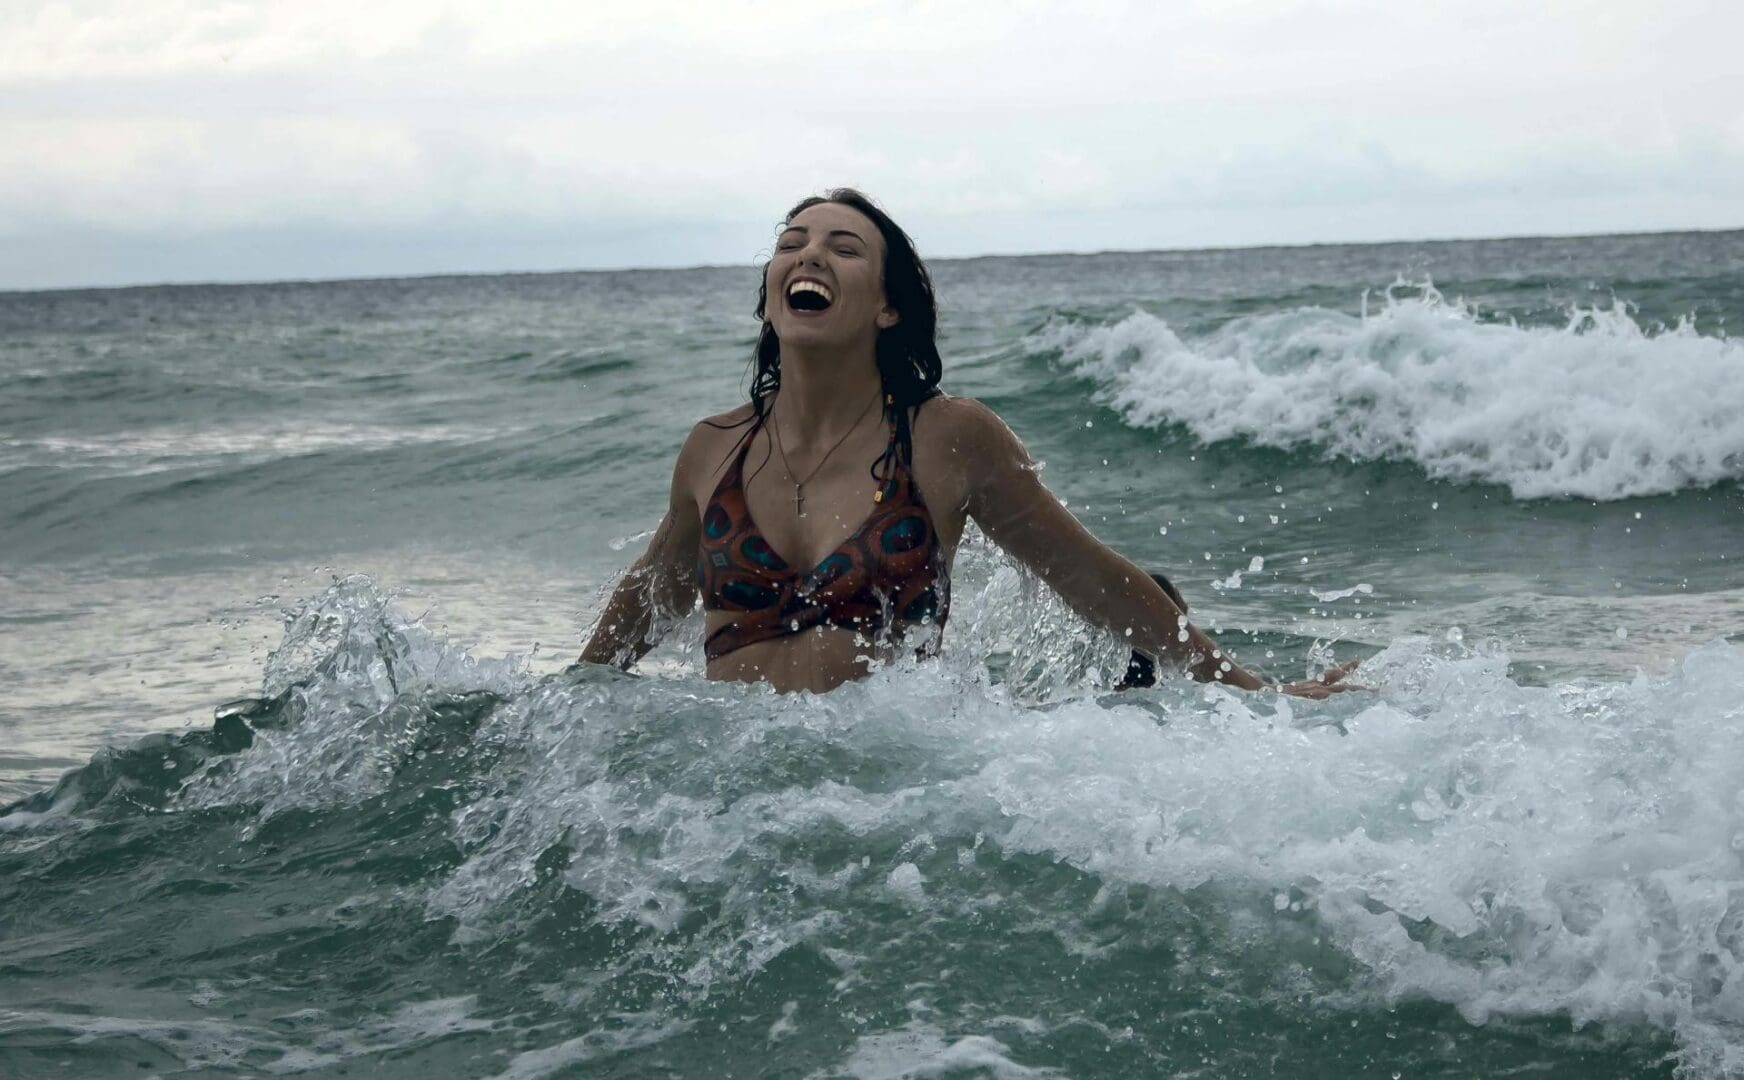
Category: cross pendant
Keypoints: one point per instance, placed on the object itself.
(798, 501)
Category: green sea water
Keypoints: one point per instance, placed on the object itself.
(295, 776)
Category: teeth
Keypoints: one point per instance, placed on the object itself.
(811, 286)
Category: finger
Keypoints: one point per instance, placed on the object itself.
(1339, 687)
(1315, 690)
(1333, 674)
(1346, 668)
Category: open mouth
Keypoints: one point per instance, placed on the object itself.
(809, 296)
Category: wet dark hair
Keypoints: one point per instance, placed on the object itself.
(908, 359)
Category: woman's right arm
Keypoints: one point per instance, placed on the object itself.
(662, 582)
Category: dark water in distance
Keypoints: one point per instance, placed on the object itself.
(381, 514)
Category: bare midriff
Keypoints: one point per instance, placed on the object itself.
(818, 659)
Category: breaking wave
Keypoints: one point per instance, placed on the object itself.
(1600, 408)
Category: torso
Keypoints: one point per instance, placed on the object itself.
(838, 505)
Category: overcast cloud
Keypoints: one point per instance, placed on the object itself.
(154, 140)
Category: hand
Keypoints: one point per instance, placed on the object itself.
(1323, 685)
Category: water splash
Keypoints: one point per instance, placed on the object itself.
(1509, 851)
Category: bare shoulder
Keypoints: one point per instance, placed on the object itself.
(736, 416)
(960, 444)
(964, 425)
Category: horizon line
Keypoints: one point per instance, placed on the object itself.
(930, 260)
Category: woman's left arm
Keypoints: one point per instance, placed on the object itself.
(1011, 505)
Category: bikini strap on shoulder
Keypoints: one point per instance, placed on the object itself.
(733, 474)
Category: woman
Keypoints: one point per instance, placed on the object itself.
(810, 563)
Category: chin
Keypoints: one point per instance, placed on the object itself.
(797, 332)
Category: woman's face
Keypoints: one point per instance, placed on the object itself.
(826, 280)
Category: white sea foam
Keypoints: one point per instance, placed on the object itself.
(217, 1044)
(632, 1033)
(1330, 595)
(921, 1050)
(146, 451)
(357, 718)
(1572, 850)
(1586, 838)
(1598, 409)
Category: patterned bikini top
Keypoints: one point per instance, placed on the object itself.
(889, 571)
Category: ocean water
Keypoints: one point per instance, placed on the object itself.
(296, 776)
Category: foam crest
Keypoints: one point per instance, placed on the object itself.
(1599, 408)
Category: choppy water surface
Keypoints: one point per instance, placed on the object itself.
(413, 841)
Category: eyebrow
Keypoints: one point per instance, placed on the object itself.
(832, 232)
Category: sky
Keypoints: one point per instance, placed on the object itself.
(176, 140)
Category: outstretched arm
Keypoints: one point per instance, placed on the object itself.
(662, 582)
(1016, 511)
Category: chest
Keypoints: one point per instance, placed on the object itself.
(806, 519)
